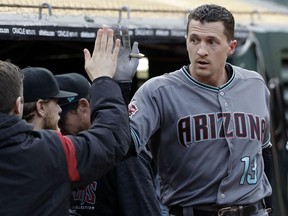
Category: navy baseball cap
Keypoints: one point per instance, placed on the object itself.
(73, 82)
(40, 83)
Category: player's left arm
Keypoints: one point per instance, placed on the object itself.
(267, 157)
(127, 63)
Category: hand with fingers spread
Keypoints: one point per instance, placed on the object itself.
(126, 66)
(104, 57)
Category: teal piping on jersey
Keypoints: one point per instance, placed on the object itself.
(209, 87)
(135, 139)
(267, 144)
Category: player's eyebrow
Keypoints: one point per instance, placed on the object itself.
(212, 38)
(194, 35)
(209, 37)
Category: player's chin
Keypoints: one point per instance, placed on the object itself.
(202, 71)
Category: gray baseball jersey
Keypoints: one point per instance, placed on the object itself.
(207, 140)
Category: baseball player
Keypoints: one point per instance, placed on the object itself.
(208, 124)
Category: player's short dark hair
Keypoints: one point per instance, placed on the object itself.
(11, 86)
(214, 13)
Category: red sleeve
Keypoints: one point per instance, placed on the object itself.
(71, 159)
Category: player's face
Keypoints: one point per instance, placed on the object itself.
(75, 121)
(208, 49)
(51, 116)
(70, 123)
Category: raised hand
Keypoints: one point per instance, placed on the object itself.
(126, 65)
(104, 57)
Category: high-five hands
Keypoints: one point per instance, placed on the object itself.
(128, 59)
(104, 57)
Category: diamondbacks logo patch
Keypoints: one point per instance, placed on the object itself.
(132, 109)
(70, 99)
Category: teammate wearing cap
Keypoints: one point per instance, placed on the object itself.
(75, 115)
(41, 94)
(208, 124)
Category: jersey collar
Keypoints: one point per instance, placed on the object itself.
(229, 69)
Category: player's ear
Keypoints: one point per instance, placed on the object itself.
(83, 105)
(40, 109)
(232, 47)
(17, 109)
(186, 41)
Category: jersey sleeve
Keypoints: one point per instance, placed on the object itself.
(144, 115)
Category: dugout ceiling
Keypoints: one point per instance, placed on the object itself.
(54, 34)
